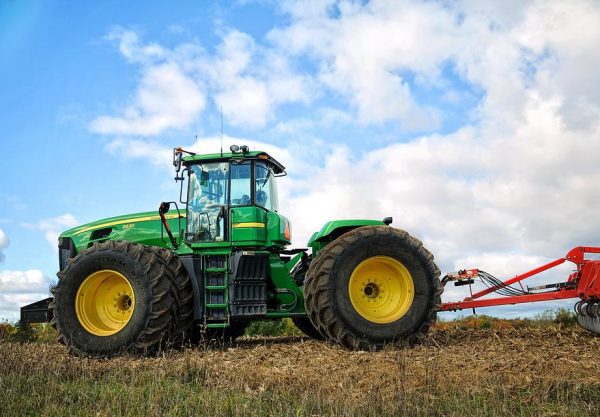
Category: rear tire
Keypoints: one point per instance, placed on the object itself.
(373, 286)
(83, 308)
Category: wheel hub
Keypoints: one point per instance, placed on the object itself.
(105, 302)
(381, 289)
(371, 290)
(123, 303)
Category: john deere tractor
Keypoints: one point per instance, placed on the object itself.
(205, 270)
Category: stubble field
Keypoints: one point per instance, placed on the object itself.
(485, 372)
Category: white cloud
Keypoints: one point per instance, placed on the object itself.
(247, 80)
(132, 148)
(4, 242)
(19, 288)
(250, 81)
(133, 49)
(53, 227)
(470, 192)
(32, 281)
(166, 99)
(368, 52)
(523, 178)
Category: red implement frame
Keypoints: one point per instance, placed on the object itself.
(584, 283)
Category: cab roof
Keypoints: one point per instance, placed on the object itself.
(278, 168)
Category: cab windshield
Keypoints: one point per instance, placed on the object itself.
(207, 194)
(215, 187)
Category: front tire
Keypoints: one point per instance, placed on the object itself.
(373, 286)
(114, 297)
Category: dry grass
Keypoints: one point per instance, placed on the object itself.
(541, 372)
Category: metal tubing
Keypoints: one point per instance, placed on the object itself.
(517, 299)
(517, 278)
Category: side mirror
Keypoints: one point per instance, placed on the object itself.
(177, 155)
(164, 207)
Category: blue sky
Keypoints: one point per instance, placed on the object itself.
(474, 124)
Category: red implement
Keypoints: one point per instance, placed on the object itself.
(584, 284)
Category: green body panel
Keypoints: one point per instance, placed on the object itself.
(334, 229)
(289, 299)
(142, 227)
(145, 228)
(255, 226)
(249, 224)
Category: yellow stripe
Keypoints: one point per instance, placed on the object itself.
(248, 224)
(133, 220)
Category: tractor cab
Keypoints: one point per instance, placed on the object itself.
(232, 197)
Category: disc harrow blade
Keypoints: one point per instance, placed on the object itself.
(588, 316)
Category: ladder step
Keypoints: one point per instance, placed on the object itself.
(217, 325)
(216, 287)
(216, 269)
(220, 305)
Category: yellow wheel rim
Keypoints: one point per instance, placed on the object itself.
(104, 302)
(381, 289)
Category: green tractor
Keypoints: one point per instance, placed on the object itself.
(149, 281)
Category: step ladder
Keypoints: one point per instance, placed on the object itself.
(216, 290)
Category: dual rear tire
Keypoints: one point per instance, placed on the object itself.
(373, 286)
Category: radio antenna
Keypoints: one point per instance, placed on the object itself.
(221, 130)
